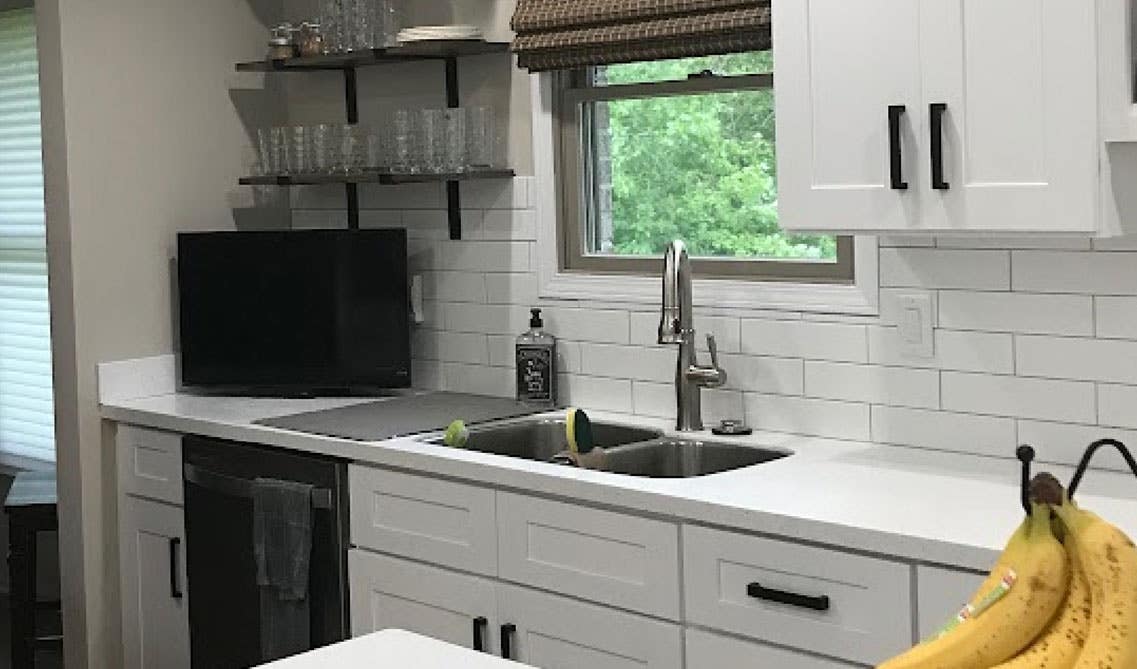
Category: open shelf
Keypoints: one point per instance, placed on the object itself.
(432, 50)
(384, 178)
(445, 51)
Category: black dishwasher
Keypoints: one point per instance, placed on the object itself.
(224, 597)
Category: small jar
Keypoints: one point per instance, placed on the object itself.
(311, 40)
(280, 44)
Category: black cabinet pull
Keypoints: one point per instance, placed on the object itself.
(936, 114)
(895, 113)
(507, 631)
(756, 591)
(175, 586)
(480, 624)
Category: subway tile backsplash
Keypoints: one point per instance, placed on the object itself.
(1036, 338)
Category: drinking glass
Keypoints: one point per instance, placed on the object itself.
(364, 15)
(265, 155)
(389, 22)
(481, 138)
(404, 139)
(433, 150)
(298, 162)
(332, 25)
(323, 148)
(351, 149)
(377, 157)
(454, 158)
(278, 149)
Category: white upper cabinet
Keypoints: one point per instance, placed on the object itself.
(939, 116)
(847, 76)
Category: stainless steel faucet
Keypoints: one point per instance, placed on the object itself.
(677, 326)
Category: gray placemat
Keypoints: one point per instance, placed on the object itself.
(400, 416)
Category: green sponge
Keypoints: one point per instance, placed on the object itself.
(456, 435)
(578, 431)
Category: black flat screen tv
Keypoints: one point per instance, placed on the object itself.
(294, 313)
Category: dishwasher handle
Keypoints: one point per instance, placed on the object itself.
(232, 486)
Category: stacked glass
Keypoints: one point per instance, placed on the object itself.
(408, 141)
(353, 25)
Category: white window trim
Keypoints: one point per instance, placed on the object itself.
(860, 298)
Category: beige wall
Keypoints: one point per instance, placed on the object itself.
(142, 138)
(145, 134)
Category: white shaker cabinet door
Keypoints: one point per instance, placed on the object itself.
(155, 603)
(839, 66)
(554, 632)
(389, 593)
(1010, 92)
(941, 593)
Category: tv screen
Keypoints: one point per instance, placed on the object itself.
(294, 312)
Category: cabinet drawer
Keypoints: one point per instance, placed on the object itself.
(607, 557)
(560, 633)
(390, 593)
(150, 464)
(940, 594)
(866, 617)
(447, 523)
(714, 651)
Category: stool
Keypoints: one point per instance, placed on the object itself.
(31, 509)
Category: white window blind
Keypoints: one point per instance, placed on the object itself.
(26, 413)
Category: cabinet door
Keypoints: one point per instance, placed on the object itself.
(713, 651)
(1018, 83)
(155, 604)
(941, 593)
(389, 593)
(553, 632)
(838, 67)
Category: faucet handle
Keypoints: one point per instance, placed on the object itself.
(713, 347)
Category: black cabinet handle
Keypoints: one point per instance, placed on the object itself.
(756, 591)
(175, 586)
(895, 113)
(507, 631)
(480, 624)
(936, 114)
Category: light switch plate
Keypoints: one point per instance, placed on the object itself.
(916, 322)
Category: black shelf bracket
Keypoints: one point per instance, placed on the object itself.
(453, 190)
(351, 108)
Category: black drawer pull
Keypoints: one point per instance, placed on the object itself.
(507, 631)
(175, 587)
(936, 113)
(480, 624)
(896, 161)
(820, 603)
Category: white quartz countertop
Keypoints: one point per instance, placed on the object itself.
(925, 506)
(393, 649)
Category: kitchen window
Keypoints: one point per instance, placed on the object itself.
(26, 406)
(649, 152)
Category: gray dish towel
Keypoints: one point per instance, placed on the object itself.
(282, 549)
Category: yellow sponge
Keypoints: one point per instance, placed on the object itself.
(578, 431)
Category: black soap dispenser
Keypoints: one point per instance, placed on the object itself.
(537, 364)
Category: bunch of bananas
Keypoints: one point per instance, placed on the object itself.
(1052, 604)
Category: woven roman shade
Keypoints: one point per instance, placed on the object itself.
(566, 34)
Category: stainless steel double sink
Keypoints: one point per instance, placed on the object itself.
(628, 450)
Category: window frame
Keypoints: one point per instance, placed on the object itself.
(572, 92)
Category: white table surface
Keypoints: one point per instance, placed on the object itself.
(393, 649)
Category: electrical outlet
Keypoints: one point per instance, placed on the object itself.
(916, 324)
